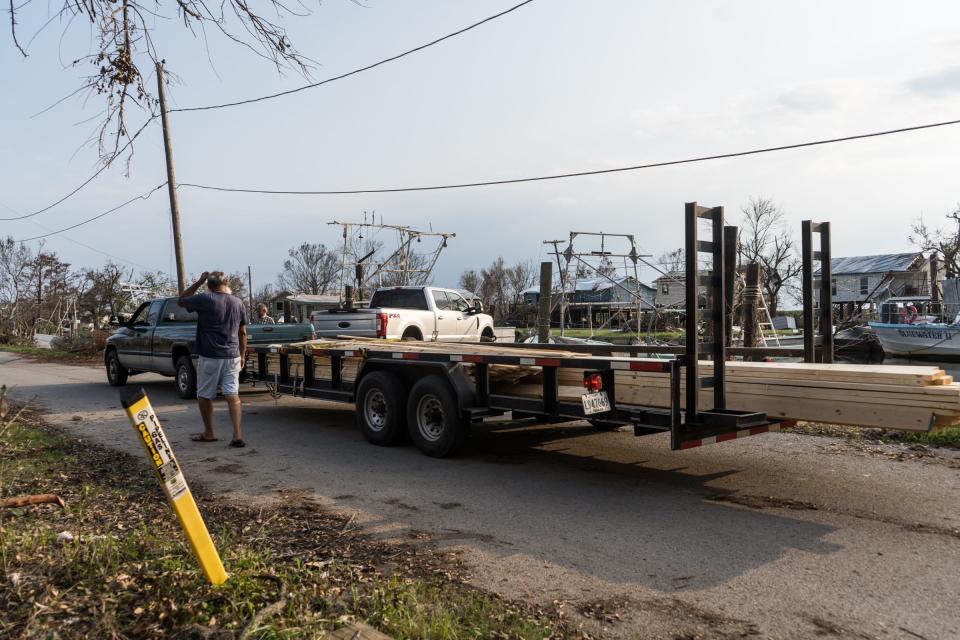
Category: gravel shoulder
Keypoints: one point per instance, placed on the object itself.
(775, 536)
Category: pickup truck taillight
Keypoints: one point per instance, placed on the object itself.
(381, 325)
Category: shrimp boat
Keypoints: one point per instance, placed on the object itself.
(919, 339)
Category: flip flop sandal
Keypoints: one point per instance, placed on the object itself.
(199, 437)
(239, 444)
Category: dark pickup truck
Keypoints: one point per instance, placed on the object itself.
(160, 337)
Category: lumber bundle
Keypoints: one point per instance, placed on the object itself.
(890, 397)
(912, 398)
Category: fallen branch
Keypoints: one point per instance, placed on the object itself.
(24, 501)
(268, 610)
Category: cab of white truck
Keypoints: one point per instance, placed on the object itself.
(410, 313)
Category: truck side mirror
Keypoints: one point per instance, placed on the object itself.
(477, 306)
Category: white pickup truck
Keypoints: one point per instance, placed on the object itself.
(409, 313)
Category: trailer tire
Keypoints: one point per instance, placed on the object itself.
(185, 377)
(381, 408)
(434, 421)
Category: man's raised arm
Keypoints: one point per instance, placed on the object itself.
(192, 289)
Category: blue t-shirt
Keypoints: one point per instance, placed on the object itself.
(219, 317)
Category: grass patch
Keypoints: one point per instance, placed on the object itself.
(949, 438)
(54, 355)
(127, 571)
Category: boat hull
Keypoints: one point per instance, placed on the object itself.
(918, 340)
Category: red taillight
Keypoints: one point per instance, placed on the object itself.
(592, 382)
(381, 325)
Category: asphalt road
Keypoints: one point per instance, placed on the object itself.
(779, 536)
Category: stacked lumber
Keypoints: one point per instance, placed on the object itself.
(322, 368)
(892, 397)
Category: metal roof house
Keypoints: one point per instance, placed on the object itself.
(601, 291)
(889, 277)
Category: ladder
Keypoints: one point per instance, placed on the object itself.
(756, 292)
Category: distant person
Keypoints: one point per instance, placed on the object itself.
(221, 340)
(262, 316)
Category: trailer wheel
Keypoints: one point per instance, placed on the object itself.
(186, 378)
(381, 410)
(434, 421)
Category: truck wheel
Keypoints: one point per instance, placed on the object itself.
(434, 421)
(487, 336)
(381, 408)
(116, 373)
(186, 378)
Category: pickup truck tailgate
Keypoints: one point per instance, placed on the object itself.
(358, 323)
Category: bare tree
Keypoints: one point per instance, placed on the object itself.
(495, 287)
(766, 240)
(311, 268)
(125, 46)
(673, 261)
(15, 261)
(103, 293)
(237, 281)
(469, 280)
(49, 281)
(943, 242)
(520, 277)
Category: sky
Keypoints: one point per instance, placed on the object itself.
(554, 87)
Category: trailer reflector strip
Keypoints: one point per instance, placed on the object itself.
(547, 362)
(656, 367)
(410, 356)
(454, 357)
(733, 435)
(528, 361)
(160, 454)
(472, 358)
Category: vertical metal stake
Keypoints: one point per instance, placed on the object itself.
(826, 294)
(806, 256)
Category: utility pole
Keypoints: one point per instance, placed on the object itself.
(171, 181)
(546, 287)
(250, 289)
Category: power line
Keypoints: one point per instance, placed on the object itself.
(577, 174)
(356, 71)
(98, 216)
(85, 182)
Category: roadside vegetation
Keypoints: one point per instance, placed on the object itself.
(76, 356)
(113, 562)
(949, 437)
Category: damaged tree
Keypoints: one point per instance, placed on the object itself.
(125, 46)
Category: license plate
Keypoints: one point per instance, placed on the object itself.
(595, 403)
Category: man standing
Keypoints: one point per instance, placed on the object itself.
(221, 341)
(262, 316)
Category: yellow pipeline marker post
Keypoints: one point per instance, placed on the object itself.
(150, 434)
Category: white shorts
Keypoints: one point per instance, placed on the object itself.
(214, 372)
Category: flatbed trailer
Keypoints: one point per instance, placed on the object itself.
(435, 395)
